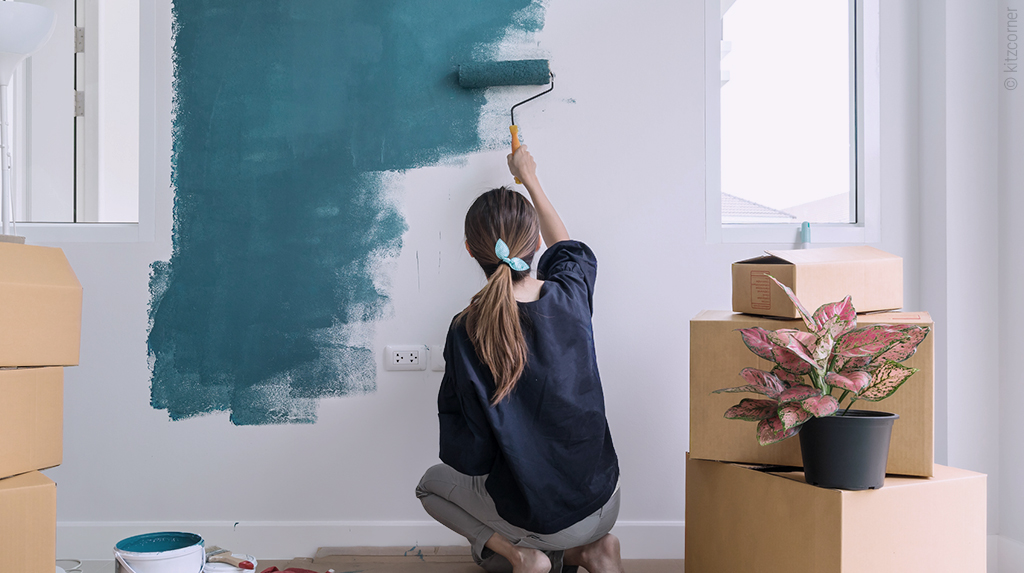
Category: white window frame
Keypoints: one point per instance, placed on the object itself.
(87, 140)
(867, 229)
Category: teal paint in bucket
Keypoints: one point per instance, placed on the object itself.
(162, 552)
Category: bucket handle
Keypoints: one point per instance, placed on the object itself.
(117, 555)
(123, 564)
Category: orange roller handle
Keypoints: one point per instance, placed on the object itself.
(514, 129)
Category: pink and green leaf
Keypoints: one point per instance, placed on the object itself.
(784, 335)
(792, 415)
(749, 388)
(873, 339)
(798, 393)
(808, 317)
(823, 350)
(794, 341)
(853, 381)
(772, 430)
(859, 348)
(905, 349)
(766, 380)
(886, 380)
(752, 410)
(835, 318)
(757, 341)
(820, 406)
(759, 382)
(786, 377)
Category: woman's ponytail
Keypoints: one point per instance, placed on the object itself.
(492, 317)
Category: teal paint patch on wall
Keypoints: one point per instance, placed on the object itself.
(287, 113)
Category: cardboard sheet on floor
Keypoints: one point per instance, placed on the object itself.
(717, 355)
(873, 278)
(741, 519)
(28, 523)
(40, 307)
(31, 419)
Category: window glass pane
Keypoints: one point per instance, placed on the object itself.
(786, 107)
(45, 190)
(68, 170)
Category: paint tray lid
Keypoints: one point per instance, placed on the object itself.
(213, 567)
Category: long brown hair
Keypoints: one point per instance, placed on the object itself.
(492, 317)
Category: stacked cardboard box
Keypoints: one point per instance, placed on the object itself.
(740, 518)
(872, 278)
(718, 354)
(40, 326)
(746, 507)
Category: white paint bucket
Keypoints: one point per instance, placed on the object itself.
(164, 552)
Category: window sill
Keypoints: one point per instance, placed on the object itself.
(45, 233)
(784, 233)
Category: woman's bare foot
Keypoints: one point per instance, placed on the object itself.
(601, 556)
(523, 559)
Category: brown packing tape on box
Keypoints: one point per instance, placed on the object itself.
(741, 519)
(872, 278)
(40, 307)
(31, 419)
(717, 355)
(28, 524)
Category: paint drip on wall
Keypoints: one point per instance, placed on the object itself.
(288, 116)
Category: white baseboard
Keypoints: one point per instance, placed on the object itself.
(287, 540)
(1009, 555)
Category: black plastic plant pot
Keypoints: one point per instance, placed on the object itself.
(847, 451)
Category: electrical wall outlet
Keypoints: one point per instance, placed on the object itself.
(437, 357)
(405, 357)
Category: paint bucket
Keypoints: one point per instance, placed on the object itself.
(164, 552)
(214, 567)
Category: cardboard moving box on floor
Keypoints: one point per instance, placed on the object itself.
(873, 278)
(40, 307)
(31, 419)
(717, 355)
(28, 524)
(741, 519)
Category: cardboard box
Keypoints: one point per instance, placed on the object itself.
(742, 519)
(31, 419)
(28, 523)
(40, 307)
(873, 278)
(717, 355)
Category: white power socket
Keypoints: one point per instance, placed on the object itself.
(405, 357)
(437, 357)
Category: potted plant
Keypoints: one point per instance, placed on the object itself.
(835, 356)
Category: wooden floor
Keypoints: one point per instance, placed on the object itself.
(401, 560)
(375, 566)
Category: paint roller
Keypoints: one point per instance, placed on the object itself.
(508, 73)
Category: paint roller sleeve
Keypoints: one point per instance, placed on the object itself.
(507, 73)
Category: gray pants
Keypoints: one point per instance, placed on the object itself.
(462, 504)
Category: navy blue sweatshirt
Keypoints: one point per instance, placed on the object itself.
(546, 447)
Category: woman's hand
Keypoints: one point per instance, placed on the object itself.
(522, 165)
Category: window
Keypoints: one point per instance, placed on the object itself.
(76, 126)
(791, 120)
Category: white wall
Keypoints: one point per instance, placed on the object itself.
(972, 213)
(625, 165)
(1011, 284)
(971, 204)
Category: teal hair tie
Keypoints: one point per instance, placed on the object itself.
(517, 264)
